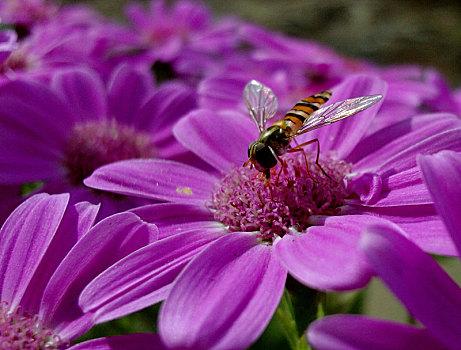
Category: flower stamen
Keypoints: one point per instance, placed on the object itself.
(96, 143)
(243, 202)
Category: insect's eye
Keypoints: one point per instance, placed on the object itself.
(264, 156)
(252, 149)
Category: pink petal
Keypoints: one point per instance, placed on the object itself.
(219, 138)
(128, 91)
(399, 136)
(328, 257)
(140, 341)
(173, 218)
(429, 294)
(344, 135)
(354, 332)
(403, 188)
(36, 108)
(84, 91)
(423, 226)
(154, 178)
(225, 297)
(144, 277)
(75, 223)
(107, 242)
(406, 159)
(24, 239)
(31, 138)
(165, 107)
(442, 175)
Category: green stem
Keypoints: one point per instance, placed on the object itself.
(285, 314)
(297, 309)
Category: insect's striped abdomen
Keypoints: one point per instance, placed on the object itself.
(304, 108)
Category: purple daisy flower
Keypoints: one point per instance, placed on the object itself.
(49, 252)
(44, 51)
(24, 14)
(182, 41)
(428, 292)
(59, 134)
(307, 225)
(73, 36)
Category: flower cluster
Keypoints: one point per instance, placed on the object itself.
(122, 184)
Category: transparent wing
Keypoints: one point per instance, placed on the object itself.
(337, 111)
(261, 102)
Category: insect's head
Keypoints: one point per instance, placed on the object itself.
(261, 156)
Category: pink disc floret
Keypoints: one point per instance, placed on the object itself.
(243, 202)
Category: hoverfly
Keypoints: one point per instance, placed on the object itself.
(305, 116)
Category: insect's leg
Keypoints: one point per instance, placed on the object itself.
(267, 174)
(299, 148)
(282, 165)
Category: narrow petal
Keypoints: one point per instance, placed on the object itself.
(441, 123)
(403, 188)
(24, 239)
(140, 341)
(84, 91)
(422, 224)
(25, 158)
(406, 159)
(107, 242)
(75, 223)
(164, 108)
(75, 325)
(154, 178)
(399, 136)
(86, 216)
(442, 175)
(225, 297)
(36, 108)
(128, 91)
(354, 332)
(417, 280)
(344, 135)
(34, 125)
(328, 257)
(172, 218)
(221, 92)
(219, 138)
(144, 277)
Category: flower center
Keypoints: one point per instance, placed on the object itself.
(19, 330)
(95, 143)
(243, 202)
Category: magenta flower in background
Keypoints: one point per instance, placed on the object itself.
(72, 36)
(49, 252)
(59, 134)
(227, 294)
(295, 68)
(43, 52)
(24, 14)
(427, 291)
(183, 41)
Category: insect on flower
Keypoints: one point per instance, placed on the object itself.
(306, 115)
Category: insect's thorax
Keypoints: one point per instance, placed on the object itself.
(276, 137)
